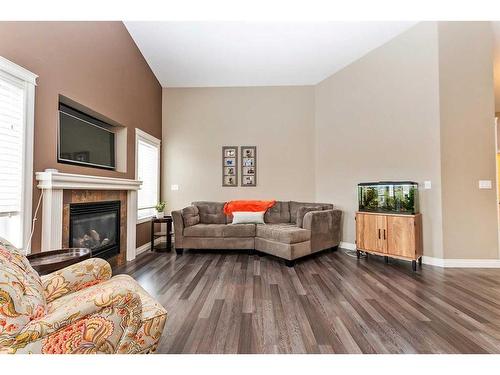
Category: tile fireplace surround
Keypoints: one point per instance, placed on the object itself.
(54, 183)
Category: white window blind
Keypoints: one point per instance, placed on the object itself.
(148, 159)
(12, 120)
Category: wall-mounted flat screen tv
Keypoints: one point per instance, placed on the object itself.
(84, 139)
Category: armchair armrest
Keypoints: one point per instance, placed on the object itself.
(325, 227)
(75, 277)
(178, 228)
(100, 319)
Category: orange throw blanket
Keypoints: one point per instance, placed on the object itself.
(248, 206)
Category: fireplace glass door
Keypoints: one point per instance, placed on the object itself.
(96, 226)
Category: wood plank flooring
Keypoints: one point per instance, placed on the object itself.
(223, 302)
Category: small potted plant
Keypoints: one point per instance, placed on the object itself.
(160, 207)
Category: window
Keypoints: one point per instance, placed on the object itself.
(147, 164)
(17, 95)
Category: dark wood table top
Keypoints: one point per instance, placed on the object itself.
(165, 219)
(50, 261)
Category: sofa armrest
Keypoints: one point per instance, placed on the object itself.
(325, 227)
(178, 228)
(98, 319)
(75, 277)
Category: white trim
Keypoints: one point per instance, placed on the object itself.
(461, 263)
(347, 246)
(146, 247)
(29, 129)
(496, 185)
(131, 224)
(17, 71)
(27, 80)
(52, 179)
(148, 138)
(52, 219)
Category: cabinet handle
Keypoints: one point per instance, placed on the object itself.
(384, 234)
(379, 234)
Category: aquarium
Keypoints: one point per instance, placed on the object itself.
(388, 197)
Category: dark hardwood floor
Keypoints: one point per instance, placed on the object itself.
(330, 303)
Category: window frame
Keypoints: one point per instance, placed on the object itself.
(27, 79)
(141, 135)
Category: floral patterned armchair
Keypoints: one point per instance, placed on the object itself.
(79, 309)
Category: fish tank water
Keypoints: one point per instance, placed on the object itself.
(389, 197)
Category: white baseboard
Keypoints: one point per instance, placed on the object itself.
(461, 263)
(146, 247)
(347, 246)
(445, 263)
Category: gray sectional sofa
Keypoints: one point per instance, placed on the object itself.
(292, 230)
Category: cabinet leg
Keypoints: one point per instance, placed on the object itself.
(358, 254)
(386, 259)
(420, 262)
(179, 251)
(290, 263)
(414, 265)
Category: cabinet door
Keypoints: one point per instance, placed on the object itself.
(401, 236)
(370, 232)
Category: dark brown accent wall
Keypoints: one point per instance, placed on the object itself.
(96, 64)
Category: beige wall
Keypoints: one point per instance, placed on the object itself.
(420, 107)
(198, 122)
(467, 139)
(378, 119)
(96, 64)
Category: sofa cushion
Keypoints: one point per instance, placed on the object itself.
(211, 212)
(294, 206)
(220, 230)
(239, 230)
(285, 233)
(190, 216)
(278, 213)
(204, 230)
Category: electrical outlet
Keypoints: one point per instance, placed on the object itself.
(427, 184)
(174, 187)
(484, 184)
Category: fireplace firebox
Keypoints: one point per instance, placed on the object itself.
(95, 225)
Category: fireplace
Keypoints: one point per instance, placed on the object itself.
(95, 225)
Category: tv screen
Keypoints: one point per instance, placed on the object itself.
(85, 140)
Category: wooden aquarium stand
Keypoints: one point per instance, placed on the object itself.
(390, 235)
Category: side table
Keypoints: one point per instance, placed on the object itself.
(167, 234)
(50, 261)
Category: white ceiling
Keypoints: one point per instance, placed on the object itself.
(210, 54)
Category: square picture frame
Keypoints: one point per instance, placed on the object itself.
(248, 166)
(229, 166)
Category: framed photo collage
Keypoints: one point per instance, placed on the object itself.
(248, 166)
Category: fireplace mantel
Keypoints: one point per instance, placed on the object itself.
(56, 180)
(53, 183)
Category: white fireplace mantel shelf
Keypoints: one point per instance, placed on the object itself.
(53, 183)
(57, 180)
